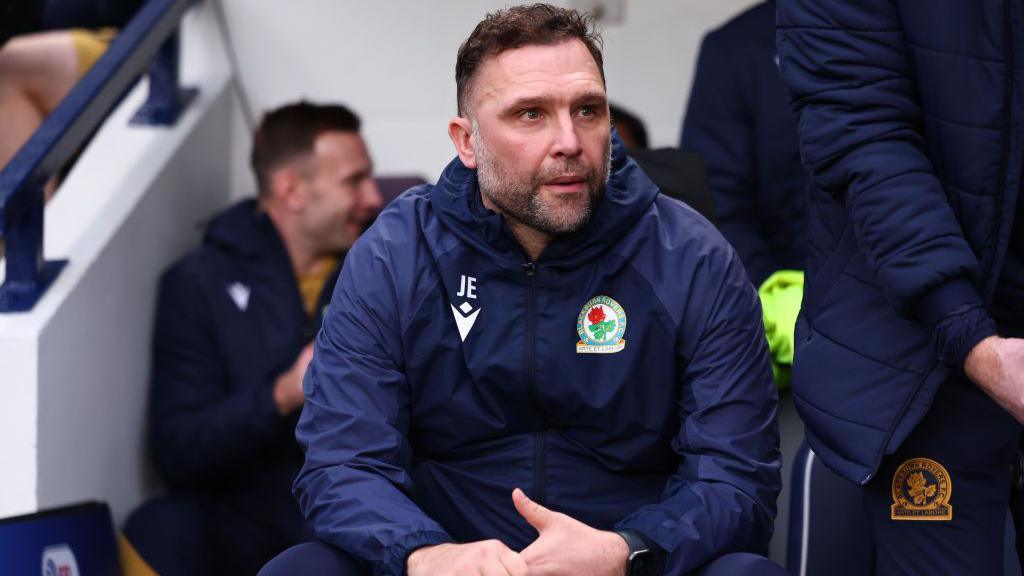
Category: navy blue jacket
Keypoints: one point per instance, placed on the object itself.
(415, 437)
(28, 16)
(738, 118)
(910, 115)
(229, 321)
(61, 14)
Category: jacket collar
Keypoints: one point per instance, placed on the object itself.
(248, 232)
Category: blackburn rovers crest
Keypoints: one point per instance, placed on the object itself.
(601, 326)
(921, 489)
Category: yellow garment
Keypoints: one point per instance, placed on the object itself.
(312, 284)
(132, 563)
(90, 45)
(781, 295)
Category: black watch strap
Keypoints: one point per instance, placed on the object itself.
(640, 561)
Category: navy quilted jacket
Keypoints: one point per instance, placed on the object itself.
(910, 120)
(738, 118)
(431, 396)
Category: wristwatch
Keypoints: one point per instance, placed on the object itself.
(639, 562)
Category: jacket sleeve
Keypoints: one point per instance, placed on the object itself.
(201, 434)
(721, 498)
(850, 83)
(355, 484)
(719, 127)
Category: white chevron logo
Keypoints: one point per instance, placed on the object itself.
(240, 294)
(465, 317)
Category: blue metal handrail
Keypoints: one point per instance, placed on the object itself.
(149, 39)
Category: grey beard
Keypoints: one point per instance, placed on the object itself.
(521, 200)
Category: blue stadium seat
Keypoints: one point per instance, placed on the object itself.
(391, 187)
(78, 539)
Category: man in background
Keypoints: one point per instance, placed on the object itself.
(234, 325)
(739, 120)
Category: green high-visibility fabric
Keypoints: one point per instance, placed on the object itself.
(781, 295)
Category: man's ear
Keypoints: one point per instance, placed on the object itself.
(460, 130)
(286, 188)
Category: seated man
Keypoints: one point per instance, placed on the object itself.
(539, 365)
(234, 327)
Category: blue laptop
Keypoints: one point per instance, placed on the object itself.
(73, 540)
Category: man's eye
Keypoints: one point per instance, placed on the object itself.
(588, 111)
(531, 114)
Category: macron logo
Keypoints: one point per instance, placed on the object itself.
(465, 317)
(240, 294)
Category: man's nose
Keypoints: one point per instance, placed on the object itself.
(369, 197)
(567, 140)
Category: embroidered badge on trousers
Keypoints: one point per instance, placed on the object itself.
(921, 489)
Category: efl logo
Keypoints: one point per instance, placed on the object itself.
(59, 561)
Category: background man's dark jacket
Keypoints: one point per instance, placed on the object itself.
(229, 321)
(738, 118)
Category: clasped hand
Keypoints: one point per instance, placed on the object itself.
(564, 546)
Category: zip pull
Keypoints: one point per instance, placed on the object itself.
(530, 269)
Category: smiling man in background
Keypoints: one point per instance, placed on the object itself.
(234, 325)
(539, 365)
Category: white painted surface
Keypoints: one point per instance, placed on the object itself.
(393, 62)
(17, 425)
(130, 207)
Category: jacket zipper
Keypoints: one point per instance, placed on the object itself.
(539, 437)
(989, 283)
(1008, 120)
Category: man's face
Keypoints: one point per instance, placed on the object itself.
(341, 195)
(541, 135)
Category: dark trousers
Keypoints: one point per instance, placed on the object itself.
(1017, 498)
(198, 535)
(317, 558)
(972, 441)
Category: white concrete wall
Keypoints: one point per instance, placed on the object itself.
(18, 417)
(75, 369)
(393, 62)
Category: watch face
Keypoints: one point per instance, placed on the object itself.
(640, 563)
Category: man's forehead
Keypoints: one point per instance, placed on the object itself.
(341, 149)
(535, 70)
(338, 142)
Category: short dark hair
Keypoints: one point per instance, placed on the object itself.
(626, 121)
(290, 131)
(518, 26)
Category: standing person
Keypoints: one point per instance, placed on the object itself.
(235, 321)
(738, 118)
(909, 367)
(539, 365)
